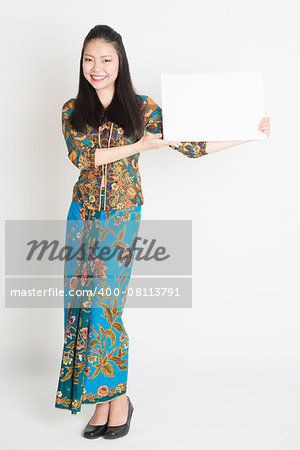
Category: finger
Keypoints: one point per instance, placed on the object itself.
(265, 120)
(176, 143)
(154, 135)
(264, 124)
(167, 142)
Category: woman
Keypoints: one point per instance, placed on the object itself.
(104, 128)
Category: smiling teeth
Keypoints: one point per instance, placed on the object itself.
(98, 78)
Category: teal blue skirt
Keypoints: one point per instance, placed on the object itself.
(99, 254)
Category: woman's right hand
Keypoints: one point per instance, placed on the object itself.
(152, 140)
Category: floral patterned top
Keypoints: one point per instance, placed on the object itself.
(122, 180)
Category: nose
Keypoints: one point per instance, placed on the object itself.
(97, 67)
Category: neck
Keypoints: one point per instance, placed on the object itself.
(105, 96)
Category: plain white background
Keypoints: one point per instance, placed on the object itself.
(224, 374)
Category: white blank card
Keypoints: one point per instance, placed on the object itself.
(212, 106)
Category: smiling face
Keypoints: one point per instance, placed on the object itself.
(100, 64)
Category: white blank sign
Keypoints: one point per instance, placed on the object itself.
(212, 106)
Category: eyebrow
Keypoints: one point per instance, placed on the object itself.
(103, 56)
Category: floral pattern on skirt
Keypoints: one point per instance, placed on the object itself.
(94, 366)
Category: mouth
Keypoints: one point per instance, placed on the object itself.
(98, 78)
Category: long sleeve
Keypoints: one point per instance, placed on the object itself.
(81, 151)
(153, 118)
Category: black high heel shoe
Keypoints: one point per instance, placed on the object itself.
(94, 431)
(116, 431)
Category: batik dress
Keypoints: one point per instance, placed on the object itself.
(99, 254)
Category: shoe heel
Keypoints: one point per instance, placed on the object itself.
(113, 432)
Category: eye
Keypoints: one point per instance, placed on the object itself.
(87, 59)
(108, 60)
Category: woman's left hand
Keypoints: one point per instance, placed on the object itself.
(264, 125)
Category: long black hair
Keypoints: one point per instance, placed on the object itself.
(124, 108)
